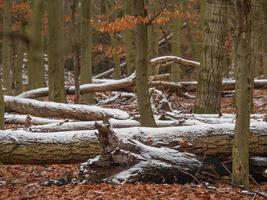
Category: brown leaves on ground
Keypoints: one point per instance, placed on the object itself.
(25, 182)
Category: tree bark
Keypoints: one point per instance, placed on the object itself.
(143, 97)
(55, 50)
(35, 55)
(208, 99)
(129, 38)
(61, 110)
(244, 63)
(264, 7)
(20, 146)
(2, 106)
(6, 46)
(86, 49)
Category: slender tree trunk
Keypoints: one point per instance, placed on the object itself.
(17, 70)
(264, 6)
(6, 46)
(143, 97)
(176, 69)
(209, 89)
(244, 60)
(129, 38)
(2, 106)
(86, 49)
(153, 36)
(35, 58)
(55, 50)
(116, 57)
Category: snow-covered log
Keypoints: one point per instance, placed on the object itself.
(22, 146)
(61, 110)
(29, 120)
(174, 59)
(90, 125)
(227, 84)
(186, 120)
(128, 160)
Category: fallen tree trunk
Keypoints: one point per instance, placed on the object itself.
(61, 110)
(129, 161)
(30, 120)
(20, 146)
(186, 120)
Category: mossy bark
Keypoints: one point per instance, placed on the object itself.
(2, 107)
(264, 6)
(143, 97)
(35, 58)
(208, 99)
(116, 57)
(6, 46)
(244, 65)
(55, 50)
(129, 39)
(86, 49)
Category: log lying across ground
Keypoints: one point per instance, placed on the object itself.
(129, 82)
(20, 147)
(128, 161)
(182, 120)
(30, 120)
(61, 110)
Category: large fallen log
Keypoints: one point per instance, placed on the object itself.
(179, 87)
(182, 120)
(20, 147)
(61, 110)
(30, 120)
(128, 161)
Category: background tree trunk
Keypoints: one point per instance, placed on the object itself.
(6, 46)
(176, 69)
(86, 49)
(244, 60)
(264, 6)
(36, 54)
(2, 106)
(143, 97)
(55, 50)
(116, 57)
(129, 38)
(208, 99)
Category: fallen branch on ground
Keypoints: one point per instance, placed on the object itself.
(61, 110)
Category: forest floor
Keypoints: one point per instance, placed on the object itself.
(26, 181)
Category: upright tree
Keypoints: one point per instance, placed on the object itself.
(6, 46)
(2, 106)
(55, 50)
(129, 38)
(264, 43)
(143, 97)
(244, 81)
(208, 99)
(176, 25)
(35, 54)
(86, 48)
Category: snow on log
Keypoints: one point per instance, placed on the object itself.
(174, 59)
(90, 125)
(61, 110)
(29, 120)
(128, 160)
(186, 120)
(20, 146)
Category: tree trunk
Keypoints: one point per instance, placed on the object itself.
(244, 60)
(86, 49)
(61, 110)
(210, 74)
(216, 140)
(176, 69)
(6, 46)
(143, 97)
(116, 57)
(36, 54)
(55, 50)
(153, 36)
(264, 7)
(2, 106)
(129, 38)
